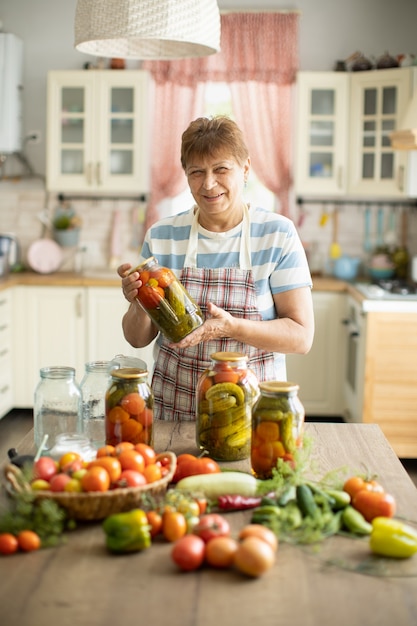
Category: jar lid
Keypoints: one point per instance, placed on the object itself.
(279, 386)
(142, 265)
(128, 373)
(228, 356)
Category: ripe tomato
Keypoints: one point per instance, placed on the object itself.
(111, 464)
(106, 450)
(58, 482)
(262, 532)
(354, 484)
(117, 415)
(73, 485)
(254, 557)
(67, 458)
(131, 478)
(45, 467)
(147, 452)
(220, 552)
(95, 479)
(8, 543)
(174, 525)
(164, 276)
(152, 473)
(188, 552)
(226, 375)
(212, 525)
(131, 459)
(189, 465)
(374, 504)
(155, 522)
(150, 297)
(133, 403)
(28, 540)
(122, 446)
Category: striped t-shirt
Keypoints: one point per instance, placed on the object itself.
(278, 258)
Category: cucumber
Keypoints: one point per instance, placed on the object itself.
(220, 484)
(306, 501)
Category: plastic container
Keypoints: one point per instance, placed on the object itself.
(93, 389)
(277, 426)
(73, 442)
(57, 405)
(226, 392)
(129, 407)
(167, 303)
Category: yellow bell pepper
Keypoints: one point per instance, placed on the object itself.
(390, 537)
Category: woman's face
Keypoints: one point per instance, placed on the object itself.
(216, 184)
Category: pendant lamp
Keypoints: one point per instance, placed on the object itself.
(147, 29)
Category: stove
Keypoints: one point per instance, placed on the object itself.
(389, 289)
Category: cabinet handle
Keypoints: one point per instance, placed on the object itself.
(98, 173)
(79, 305)
(3, 352)
(88, 173)
(4, 389)
(401, 178)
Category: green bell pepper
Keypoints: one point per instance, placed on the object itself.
(127, 532)
(390, 537)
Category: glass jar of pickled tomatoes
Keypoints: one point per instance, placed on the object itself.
(129, 407)
(277, 426)
(226, 392)
(165, 300)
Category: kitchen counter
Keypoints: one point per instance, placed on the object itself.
(80, 583)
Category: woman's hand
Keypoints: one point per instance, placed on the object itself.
(218, 325)
(130, 282)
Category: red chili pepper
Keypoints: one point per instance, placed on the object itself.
(238, 503)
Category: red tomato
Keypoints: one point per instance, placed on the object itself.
(45, 467)
(133, 403)
(254, 557)
(28, 540)
(8, 543)
(58, 482)
(354, 484)
(150, 297)
(212, 525)
(95, 479)
(188, 552)
(155, 522)
(131, 478)
(220, 552)
(374, 504)
(189, 465)
(174, 525)
(147, 452)
(164, 276)
(226, 375)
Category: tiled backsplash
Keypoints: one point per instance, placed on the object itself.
(22, 203)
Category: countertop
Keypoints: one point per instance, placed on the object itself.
(80, 583)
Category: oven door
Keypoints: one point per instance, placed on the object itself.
(354, 371)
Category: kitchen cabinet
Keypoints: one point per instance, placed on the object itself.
(319, 372)
(6, 389)
(97, 127)
(344, 121)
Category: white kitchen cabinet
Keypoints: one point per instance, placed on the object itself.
(106, 307)
(49, 329)
(321, 165)
(344, 120)
(6, 364)
(97, 127)
(320, 372)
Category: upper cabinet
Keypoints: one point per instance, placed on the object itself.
(343, 125)
(97, 127)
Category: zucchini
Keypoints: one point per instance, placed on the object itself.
(220, 484)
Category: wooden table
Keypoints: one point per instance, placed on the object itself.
(80, 584)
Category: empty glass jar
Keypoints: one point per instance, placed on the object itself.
(93, 389)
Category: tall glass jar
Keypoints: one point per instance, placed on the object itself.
(57, 405)
(129, 407)
(93, 389)
(165, 300)
(226, 392)
(277, 426)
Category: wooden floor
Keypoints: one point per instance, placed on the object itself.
(16, 424)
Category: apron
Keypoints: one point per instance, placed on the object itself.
(176, 372)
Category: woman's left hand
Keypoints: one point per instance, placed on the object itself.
(217, 325)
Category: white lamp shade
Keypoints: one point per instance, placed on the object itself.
(147, 29)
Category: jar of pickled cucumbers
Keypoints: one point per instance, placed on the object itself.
(129, 407)
(226, 392)
(277, 426)
(165, 300)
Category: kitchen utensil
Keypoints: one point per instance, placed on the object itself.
(335, 249)
(44, 256)
(367, 243)
(400, 256)
(346, 267)
(390, 237)
(324, 217)
(9, 254)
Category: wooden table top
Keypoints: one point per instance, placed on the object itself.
(80, 583)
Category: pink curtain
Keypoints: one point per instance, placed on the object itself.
(259, 59)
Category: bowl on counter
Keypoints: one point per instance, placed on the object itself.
(346, 267)
(381, 273)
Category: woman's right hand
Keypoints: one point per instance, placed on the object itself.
(130, 282)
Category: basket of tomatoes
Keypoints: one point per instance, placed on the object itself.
(119, 479)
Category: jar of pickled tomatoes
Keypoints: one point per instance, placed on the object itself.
(226, 392)
(277, 426)
(168, 304)
(129, 407)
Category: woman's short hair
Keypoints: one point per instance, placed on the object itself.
(210, 136)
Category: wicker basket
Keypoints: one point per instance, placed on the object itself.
(98, 505)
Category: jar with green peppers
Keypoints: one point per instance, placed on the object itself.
(277, 426)
(226, 392)
(165, 300)
(129, 407)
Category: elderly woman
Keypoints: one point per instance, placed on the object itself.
(245, 266)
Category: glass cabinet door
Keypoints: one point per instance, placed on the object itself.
(122, 124)
(72, 131)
